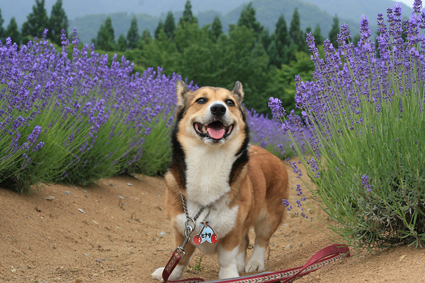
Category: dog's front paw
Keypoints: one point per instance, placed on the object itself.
(254, 265)
(157, 274)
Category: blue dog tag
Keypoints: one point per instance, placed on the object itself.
(207, 234)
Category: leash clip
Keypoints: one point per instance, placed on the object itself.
(187, 231)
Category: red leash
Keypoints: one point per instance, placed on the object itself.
(323, 257)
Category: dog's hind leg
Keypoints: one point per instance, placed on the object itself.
(178, 271)
(241, 257)
(265, 225)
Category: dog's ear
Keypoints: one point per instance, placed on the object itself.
(181, 91)
(238, 91)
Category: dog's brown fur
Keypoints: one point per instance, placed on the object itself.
(258, 181)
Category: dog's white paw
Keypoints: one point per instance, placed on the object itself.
(157, 274)
(227, 272)
(240, 262)
(254, 265)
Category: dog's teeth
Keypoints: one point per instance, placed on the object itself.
(204, 129)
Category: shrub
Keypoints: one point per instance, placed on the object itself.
(365, 110)
(77, 120)
(264, 133)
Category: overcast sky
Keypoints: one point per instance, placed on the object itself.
(407, 2)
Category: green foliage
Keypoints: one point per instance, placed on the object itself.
(36, 22)
(333, 34)
(188, 17)
(158, 29)
(169, 25)
(145, 39)
(105, 37)
(281, 34)
(248, 19)
(318, 38)
(385, 146)
(58, 21)
(216, 28)
(133, 36)
(122, 43)
(264, 38)
(13, 32)
(2, 31)
(280, 40)
(266, 65)
(282, 85)
(156, 151)
(274, 58)
(295, 33)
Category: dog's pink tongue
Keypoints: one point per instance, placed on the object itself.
(216, 131)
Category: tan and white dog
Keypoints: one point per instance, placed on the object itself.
(214, 167)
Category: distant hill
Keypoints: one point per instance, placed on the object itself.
(267, 12)
(79, 8)
(87, 16)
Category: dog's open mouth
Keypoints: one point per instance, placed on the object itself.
(215, 130)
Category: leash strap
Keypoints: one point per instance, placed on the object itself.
(322, 258)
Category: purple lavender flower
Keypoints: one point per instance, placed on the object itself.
(417, 6)
(275, 106)
(299, 190)
(365, 182)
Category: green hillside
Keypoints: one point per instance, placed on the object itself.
(267, 12)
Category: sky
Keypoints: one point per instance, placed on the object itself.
(407, 2)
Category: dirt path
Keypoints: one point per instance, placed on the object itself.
(112, 233)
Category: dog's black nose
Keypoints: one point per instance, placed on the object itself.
(218, 109)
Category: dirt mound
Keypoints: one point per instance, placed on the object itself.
(116, 231)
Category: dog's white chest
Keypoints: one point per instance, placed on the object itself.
(207, 174)
(220, 218)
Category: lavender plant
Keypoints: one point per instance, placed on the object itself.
(365, 111)
(77, 120)
(265, 133)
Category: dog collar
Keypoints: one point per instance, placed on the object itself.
(188, 219)
(207, 232)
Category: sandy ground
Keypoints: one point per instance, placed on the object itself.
(110, 232)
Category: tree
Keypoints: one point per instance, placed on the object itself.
(12, 31)
(37, 20)
(2, 31)
(105, 37)
(169, 25)
(122, 43)
(216, 27)
(158, 29)
(281, 38)
(145, 39)
(188, 17)
(133, 37)
(295, 33)
(318, 38)
(274, 57)
(58, 21)
(248, 19)
(356, 39)
(264, 38)
(333, 33)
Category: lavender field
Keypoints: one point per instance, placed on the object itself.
(69, 117)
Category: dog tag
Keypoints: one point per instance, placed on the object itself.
(207, 234)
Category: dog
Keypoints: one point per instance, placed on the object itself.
(238, 185)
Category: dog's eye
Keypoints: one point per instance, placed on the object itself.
(230, 102)
(201, 100)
